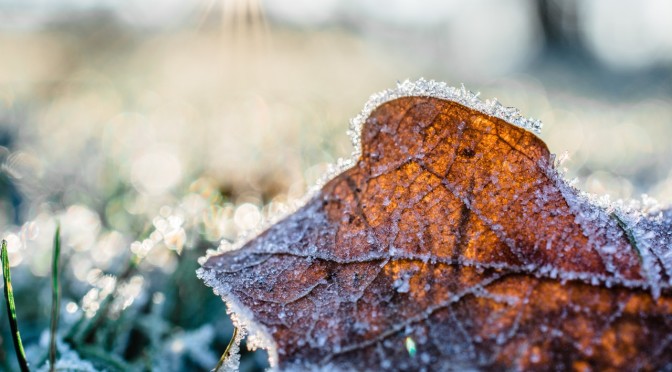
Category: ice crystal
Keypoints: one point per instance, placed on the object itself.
(68, 359)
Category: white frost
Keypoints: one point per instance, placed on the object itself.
(258, 336)
(68, 359)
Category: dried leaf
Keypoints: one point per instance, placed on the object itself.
(454, 243)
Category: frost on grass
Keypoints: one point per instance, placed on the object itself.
(68, 359)
(193, 345)
(452, 231)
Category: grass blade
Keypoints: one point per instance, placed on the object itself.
(224, 356)
(55, 297)
(11, 310)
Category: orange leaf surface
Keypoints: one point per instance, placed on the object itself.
(453, 243)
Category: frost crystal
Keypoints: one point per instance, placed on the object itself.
(431, 88)
(258, 336)
(68, 359)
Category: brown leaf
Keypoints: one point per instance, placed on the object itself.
(453, 243)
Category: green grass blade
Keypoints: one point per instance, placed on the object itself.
(11, 310)
(55, 297)
(224, 356)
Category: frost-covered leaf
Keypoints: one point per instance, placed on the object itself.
(453, 243)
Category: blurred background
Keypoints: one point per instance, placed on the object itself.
(152, 130)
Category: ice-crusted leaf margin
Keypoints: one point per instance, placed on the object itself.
(452, 231)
